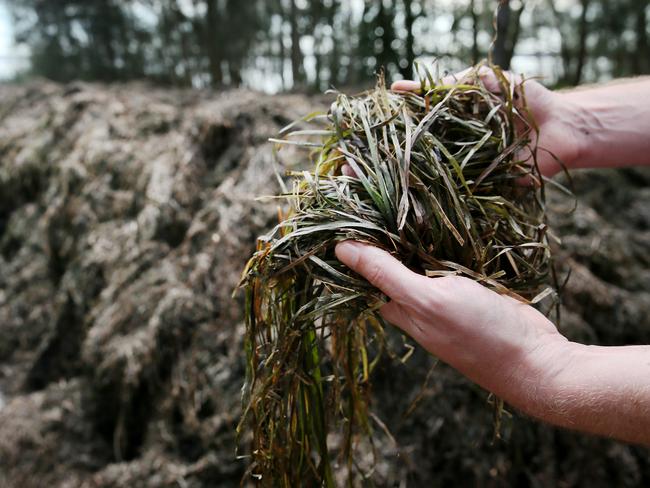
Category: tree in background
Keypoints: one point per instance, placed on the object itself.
(573, 47)
(312, 45)
(506, 26)
(78, 39)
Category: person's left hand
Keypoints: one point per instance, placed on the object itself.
(505, 346)
(560, 120)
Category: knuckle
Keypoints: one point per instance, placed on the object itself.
(444, 294)
(373, 272)
(430, 298)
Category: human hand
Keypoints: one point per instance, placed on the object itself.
(512, 350)
(558, 118)
(501, 344)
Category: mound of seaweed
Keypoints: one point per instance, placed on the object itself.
(125, 215)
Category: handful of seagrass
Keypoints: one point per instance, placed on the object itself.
(436, 184)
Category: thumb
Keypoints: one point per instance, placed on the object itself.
(380, 269)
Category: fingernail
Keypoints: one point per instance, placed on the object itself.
(347, 252)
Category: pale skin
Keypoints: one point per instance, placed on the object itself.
(503, 345)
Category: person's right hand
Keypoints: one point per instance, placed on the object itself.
(557, 117)
(513, 350)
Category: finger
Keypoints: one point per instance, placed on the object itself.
(455, 78)
(347, 170)
(525, 156)
(528, 181)
(410, 85)
(405, 85)
(546, 163)
(392, 312)
(486, 74)
(381, 270)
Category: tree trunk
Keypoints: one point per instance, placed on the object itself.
(282, 56)
(296, 54)
(502, 21)
(516, 28)
(317, 15)
(507, 33)
(388, 55)
(335, 55)
(407, 68)
(212, 43)
(565, 54)
(101, 23)
(582, 43)
(475, 50)
(641, 59)
(318, 39)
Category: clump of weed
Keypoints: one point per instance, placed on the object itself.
(436, 181)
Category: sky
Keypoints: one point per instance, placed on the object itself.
(12, 58)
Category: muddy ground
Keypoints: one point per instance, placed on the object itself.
(126, 215)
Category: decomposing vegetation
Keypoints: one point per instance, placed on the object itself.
(440, 178)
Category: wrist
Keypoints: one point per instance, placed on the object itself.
(578, 122)
(602, 390)
(541, 375)
(570, 394)
(610, 124)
